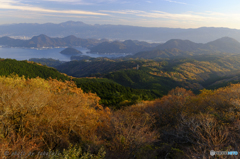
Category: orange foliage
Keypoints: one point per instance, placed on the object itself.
(38, 114)
(49, 114)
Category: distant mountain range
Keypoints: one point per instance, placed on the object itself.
(45, 41)
(117, 32)
(100, 46)
(173, 47)
(178, 47)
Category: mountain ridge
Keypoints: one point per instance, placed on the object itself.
(118, 32)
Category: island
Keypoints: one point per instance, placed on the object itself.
(70, 51)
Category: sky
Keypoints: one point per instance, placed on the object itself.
(145, 13)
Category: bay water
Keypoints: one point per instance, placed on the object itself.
(54, 53)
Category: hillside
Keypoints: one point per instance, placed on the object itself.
(80, 58)
(46, 61)
(127, 46)
(155, 54)
(183, 45)
(192, 72)
(29, 70)
(105, 88)
(113, 94)
(224, 44)
(96, 66)
(45, 41)
(69, 119)
(58, 118)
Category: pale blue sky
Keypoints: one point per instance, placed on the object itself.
(148, 13)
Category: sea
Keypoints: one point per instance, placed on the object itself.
(54, 53)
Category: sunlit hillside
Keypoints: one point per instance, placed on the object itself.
(49, 115)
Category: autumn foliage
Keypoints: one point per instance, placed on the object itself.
(50, 115)
(192, 125)
(42, 115)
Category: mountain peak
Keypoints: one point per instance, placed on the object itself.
(184, 45)
(71, 37)
(225, 44)
(179, 41)
(129, 42)
(73, 23)
(41, 36)
(226, 39)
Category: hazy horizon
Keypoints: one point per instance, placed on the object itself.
(114, 25)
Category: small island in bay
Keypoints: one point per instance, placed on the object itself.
(70, 51)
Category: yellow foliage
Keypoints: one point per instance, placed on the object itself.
(49, 111)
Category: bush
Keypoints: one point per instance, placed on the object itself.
(75, 152)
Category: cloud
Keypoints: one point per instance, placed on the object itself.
(123, 11)
(149, 1)
(179, 20)
(190, 16)
(175, 2)
(83, 2)
(16, 5)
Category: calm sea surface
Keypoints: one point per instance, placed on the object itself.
(54, 53)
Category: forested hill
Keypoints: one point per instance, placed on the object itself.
(96, 66)
(195, 72)
(29, 70)
(127, 46)
(111, 93)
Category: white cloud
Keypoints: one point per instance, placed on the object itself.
(164, 15)
(83, 2)
(15, 5)
(179, 20)
(123, 11)
(149, 1)
(175, 2)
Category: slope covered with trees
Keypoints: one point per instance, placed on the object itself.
(161, 75)
(46, 61)
(29, 70)
(96, 66)
(127, 46)
(111, 93)
(40, 115)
